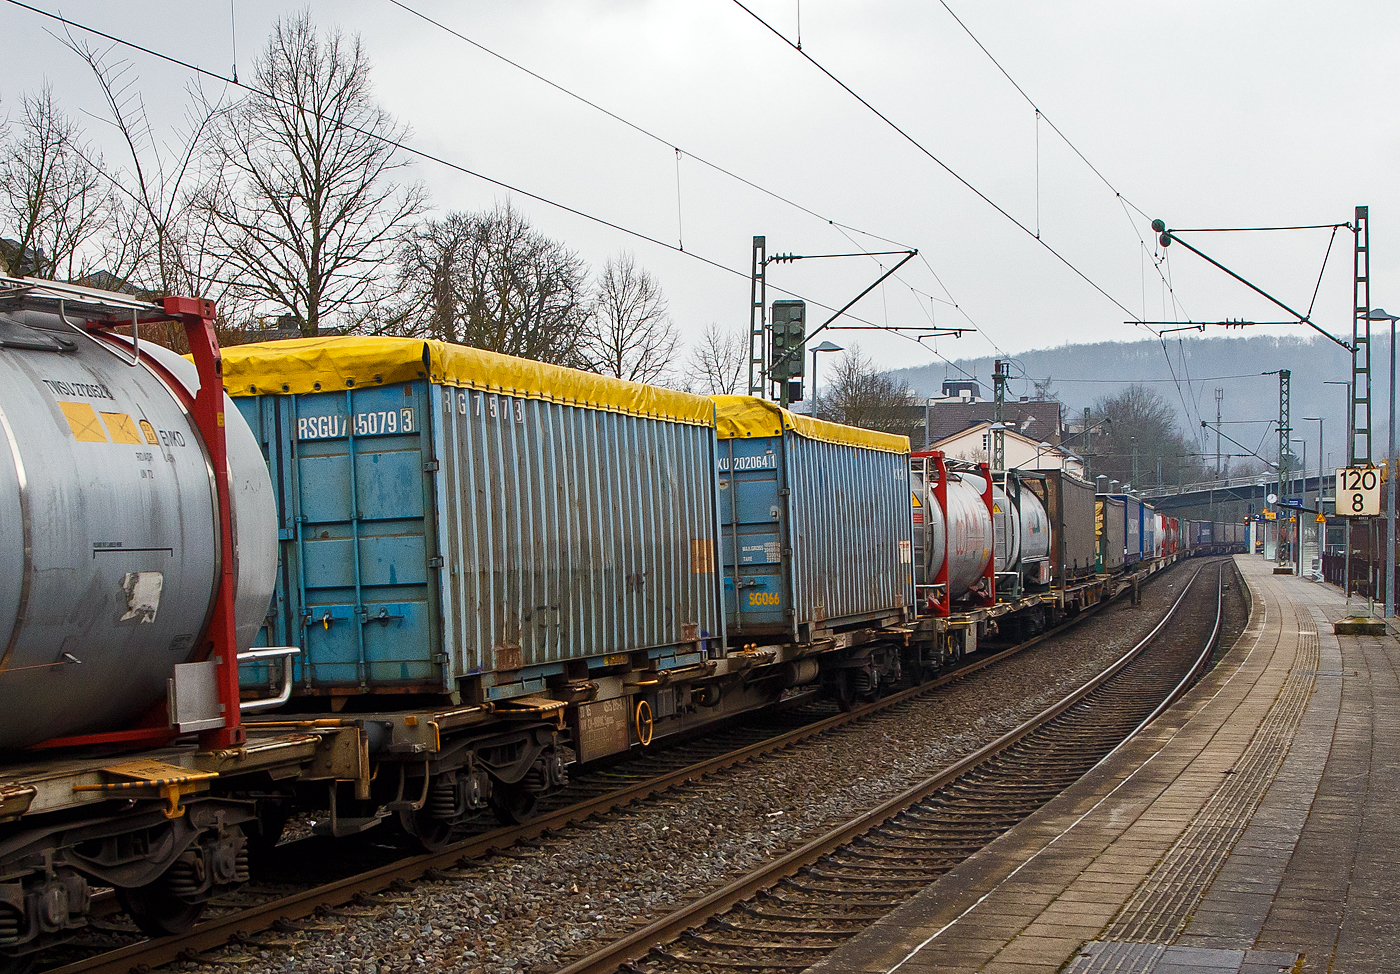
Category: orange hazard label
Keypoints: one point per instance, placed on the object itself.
(83, 421)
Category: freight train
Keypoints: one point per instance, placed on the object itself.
(402, 584)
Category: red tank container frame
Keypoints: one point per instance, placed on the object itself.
(197, 317)
(940, 602)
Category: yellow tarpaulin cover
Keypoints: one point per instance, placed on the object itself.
(302, 365)
(743, 416)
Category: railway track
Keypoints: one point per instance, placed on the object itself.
(801, 907)
(595, 793)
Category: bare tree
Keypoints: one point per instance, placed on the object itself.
(488, 280)
(429, 266)
(1143, 425)
(860, 395)
(53, 198)
(161, 238)
(310, 211)
(717, 361)
(629, 334)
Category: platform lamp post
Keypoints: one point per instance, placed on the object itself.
(1302, 496)
(1041, 449)
(1380, 314)
(1321, 525)
(830, 347)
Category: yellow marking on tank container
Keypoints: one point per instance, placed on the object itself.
(915, 498)
(149, 431)
(121, 428)
(83, 421)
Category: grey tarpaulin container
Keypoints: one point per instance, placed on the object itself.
(817, 523)
(1073, 541)
(1132, 528)
(460, 521)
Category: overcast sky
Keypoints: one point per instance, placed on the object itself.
(1203, 113)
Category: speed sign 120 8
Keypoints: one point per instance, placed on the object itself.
(1358, 491)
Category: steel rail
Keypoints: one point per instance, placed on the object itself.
(637, 944)
(238, 926)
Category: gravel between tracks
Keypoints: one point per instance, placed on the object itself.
(522, 910)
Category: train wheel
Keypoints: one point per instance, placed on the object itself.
(157, 911)
(844, 687)
(433, 834)
(513, 804)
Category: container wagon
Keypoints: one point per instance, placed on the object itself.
(816, 529)
(525, 547)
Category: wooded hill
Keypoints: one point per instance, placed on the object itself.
(1185, 372)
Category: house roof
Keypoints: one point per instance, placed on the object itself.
(1061, 450)
(1036, 419)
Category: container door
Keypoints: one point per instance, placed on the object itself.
(367, 608)
(753, 509)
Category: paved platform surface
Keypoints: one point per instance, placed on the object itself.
(1253, 828)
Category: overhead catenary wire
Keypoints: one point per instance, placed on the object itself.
(936, 160)
(414, 151)
(1039, 112)
(639, 129)
(647, 133)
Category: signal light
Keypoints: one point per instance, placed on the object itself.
(787, 350)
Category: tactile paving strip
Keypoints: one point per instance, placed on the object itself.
(1161, 906)
(1120, 958)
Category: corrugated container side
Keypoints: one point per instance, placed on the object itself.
(1132, 525)
(816, 534)
(852, 530)
(1072, 514)
(568, 532)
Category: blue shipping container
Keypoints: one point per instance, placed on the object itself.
(816, 523)
(455, 521)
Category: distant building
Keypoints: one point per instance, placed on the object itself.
(1036, 419)
(1022, 452)
(18, 261)
(107, 281)
(964, 390)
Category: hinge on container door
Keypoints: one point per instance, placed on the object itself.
(435, 561)
(430, 466)
(439, 657)
(784, 491)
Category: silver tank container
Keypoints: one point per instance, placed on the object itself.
(964, 532)
(1006, 524)
(1022, 530)
(1034, 528)
(108, 534)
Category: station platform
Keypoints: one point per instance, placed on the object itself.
(1253, 828)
